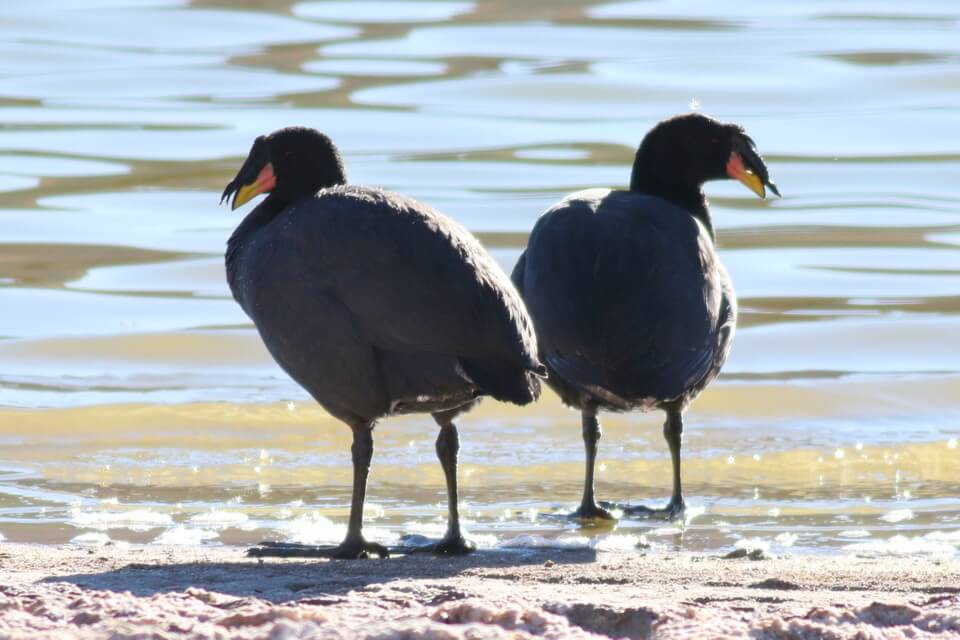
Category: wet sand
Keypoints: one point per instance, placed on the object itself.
(121, 591)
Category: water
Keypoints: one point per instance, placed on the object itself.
(136, 403)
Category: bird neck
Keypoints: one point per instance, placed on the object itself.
(689, 197)
(260, 217)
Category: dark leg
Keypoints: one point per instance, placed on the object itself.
(591, 435)
(673, 432)
(353, 545)
(448, 449)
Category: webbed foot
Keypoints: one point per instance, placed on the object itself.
(672, 511)
(592, 511)
(452, 545)
(349, 549)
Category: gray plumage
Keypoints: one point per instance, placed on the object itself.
(632, 307)
(375, 304)
(372, 302)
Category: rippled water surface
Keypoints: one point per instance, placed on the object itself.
(137, 404)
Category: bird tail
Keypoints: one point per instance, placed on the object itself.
(504, 382)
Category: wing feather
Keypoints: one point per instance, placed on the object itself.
(625, 294)
(388, 258)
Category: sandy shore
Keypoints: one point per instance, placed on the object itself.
(172, 592)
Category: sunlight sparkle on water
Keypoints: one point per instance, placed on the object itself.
(94, 538)
(137, 401)
(181, 535)
(904, 545)
(898, 515)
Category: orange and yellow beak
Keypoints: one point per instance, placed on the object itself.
(266, 181)
(738, 171)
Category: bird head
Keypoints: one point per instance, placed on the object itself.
(687, 150)
(288, 164)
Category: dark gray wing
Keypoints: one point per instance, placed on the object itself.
(624, 293)
(414, 279)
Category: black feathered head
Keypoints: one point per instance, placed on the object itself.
(684, 151)
(289, 163)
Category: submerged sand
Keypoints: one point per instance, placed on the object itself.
(183, 592)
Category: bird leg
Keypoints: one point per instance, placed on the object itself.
(589, 509)
(448, 449)
(354, 545)
(673, 433)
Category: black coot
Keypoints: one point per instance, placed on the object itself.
(374, 303)
(632, 307)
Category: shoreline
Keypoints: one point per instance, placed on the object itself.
(71, 591)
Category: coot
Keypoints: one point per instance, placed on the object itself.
(632, 308)
(376, 304)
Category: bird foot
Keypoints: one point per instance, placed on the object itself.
(673, 511)
(349, 549)
(590, 510)
(452, 545)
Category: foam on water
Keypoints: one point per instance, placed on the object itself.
(752, 544)
(898, 515)
(692, 512)
(665, 531)
(903, 545)
(434, 529)
(786, 539)
(542, 542)
(181, 535)
(314, 528)
(93, 538)
(617, 542)
(483, 541)
(953, 537)
(133, 519)
(219, 519)
(611, 542)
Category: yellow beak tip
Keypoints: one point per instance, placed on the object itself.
(244, 195)
(752, 182)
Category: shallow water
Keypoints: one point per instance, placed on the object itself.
(137, 404)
